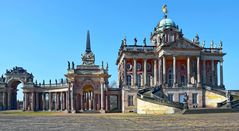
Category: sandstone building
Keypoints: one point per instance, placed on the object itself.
(170, 74)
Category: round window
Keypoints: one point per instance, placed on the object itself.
(128, 66)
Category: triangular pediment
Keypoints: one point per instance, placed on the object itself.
(184, 44)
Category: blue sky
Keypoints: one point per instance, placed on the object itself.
(43, 35)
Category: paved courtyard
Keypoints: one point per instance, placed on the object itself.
(121, 122)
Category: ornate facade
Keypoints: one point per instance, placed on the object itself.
(170, 74)
(173, 63)
(86, 89)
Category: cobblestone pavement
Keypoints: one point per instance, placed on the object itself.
(121, 122)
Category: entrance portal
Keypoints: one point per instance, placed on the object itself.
(15, 97)
(12, 85)
(88, 93)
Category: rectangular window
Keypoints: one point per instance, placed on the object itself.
(138, 82)
(195, 98)
(170, 97)
(181, 98)
(129, 80)
(130, 100)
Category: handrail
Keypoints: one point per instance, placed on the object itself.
(156, 98)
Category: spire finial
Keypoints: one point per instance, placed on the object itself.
(102, 65)
(88, 48)
(124, 41)
(107, 66)
(165, 10)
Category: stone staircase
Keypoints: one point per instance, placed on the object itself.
(155, 95)
(234, 97)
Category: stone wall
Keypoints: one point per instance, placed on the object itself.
(125, 107)
(144, 107)
(211, 99)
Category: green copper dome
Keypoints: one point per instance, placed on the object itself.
(166, 23)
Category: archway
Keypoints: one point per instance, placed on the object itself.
(13, 83)
(15, 92)
(88, 97)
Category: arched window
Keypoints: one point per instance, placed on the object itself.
(128, 80)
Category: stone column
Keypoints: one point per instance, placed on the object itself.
(43, 101)
(221, 74)
(99, 101)
(125, 71)
(135, 72)
(198, 72)
(102, 98)
(204, 72)
(76, 102)
(50, 101)
(89, 100)
(4, 100)
(188, 71)
(164, 71)
(26, 101)
(67, 102)
(33, 102)
(81, 102)
(69, 99)
(155, 72)
(24, 97)
(9, 99)
(55, 98)
(62, 101)
(216, 75)
(160, 78)
(145, 72)
(213, 77)
(174, 72)
(37, 101)
(72, 99)
(106, 102)
(93, 95)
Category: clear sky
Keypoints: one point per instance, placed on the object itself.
(42, 35)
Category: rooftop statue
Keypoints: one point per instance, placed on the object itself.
(165, 10)
(203, 44)
(135, 41)
(220, 46)
(144, 41)
(69, 65)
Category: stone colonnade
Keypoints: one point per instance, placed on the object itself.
(45, 101)
(153, 75)
(63, 101)
(159, 71)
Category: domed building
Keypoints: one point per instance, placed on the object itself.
(171, 73)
